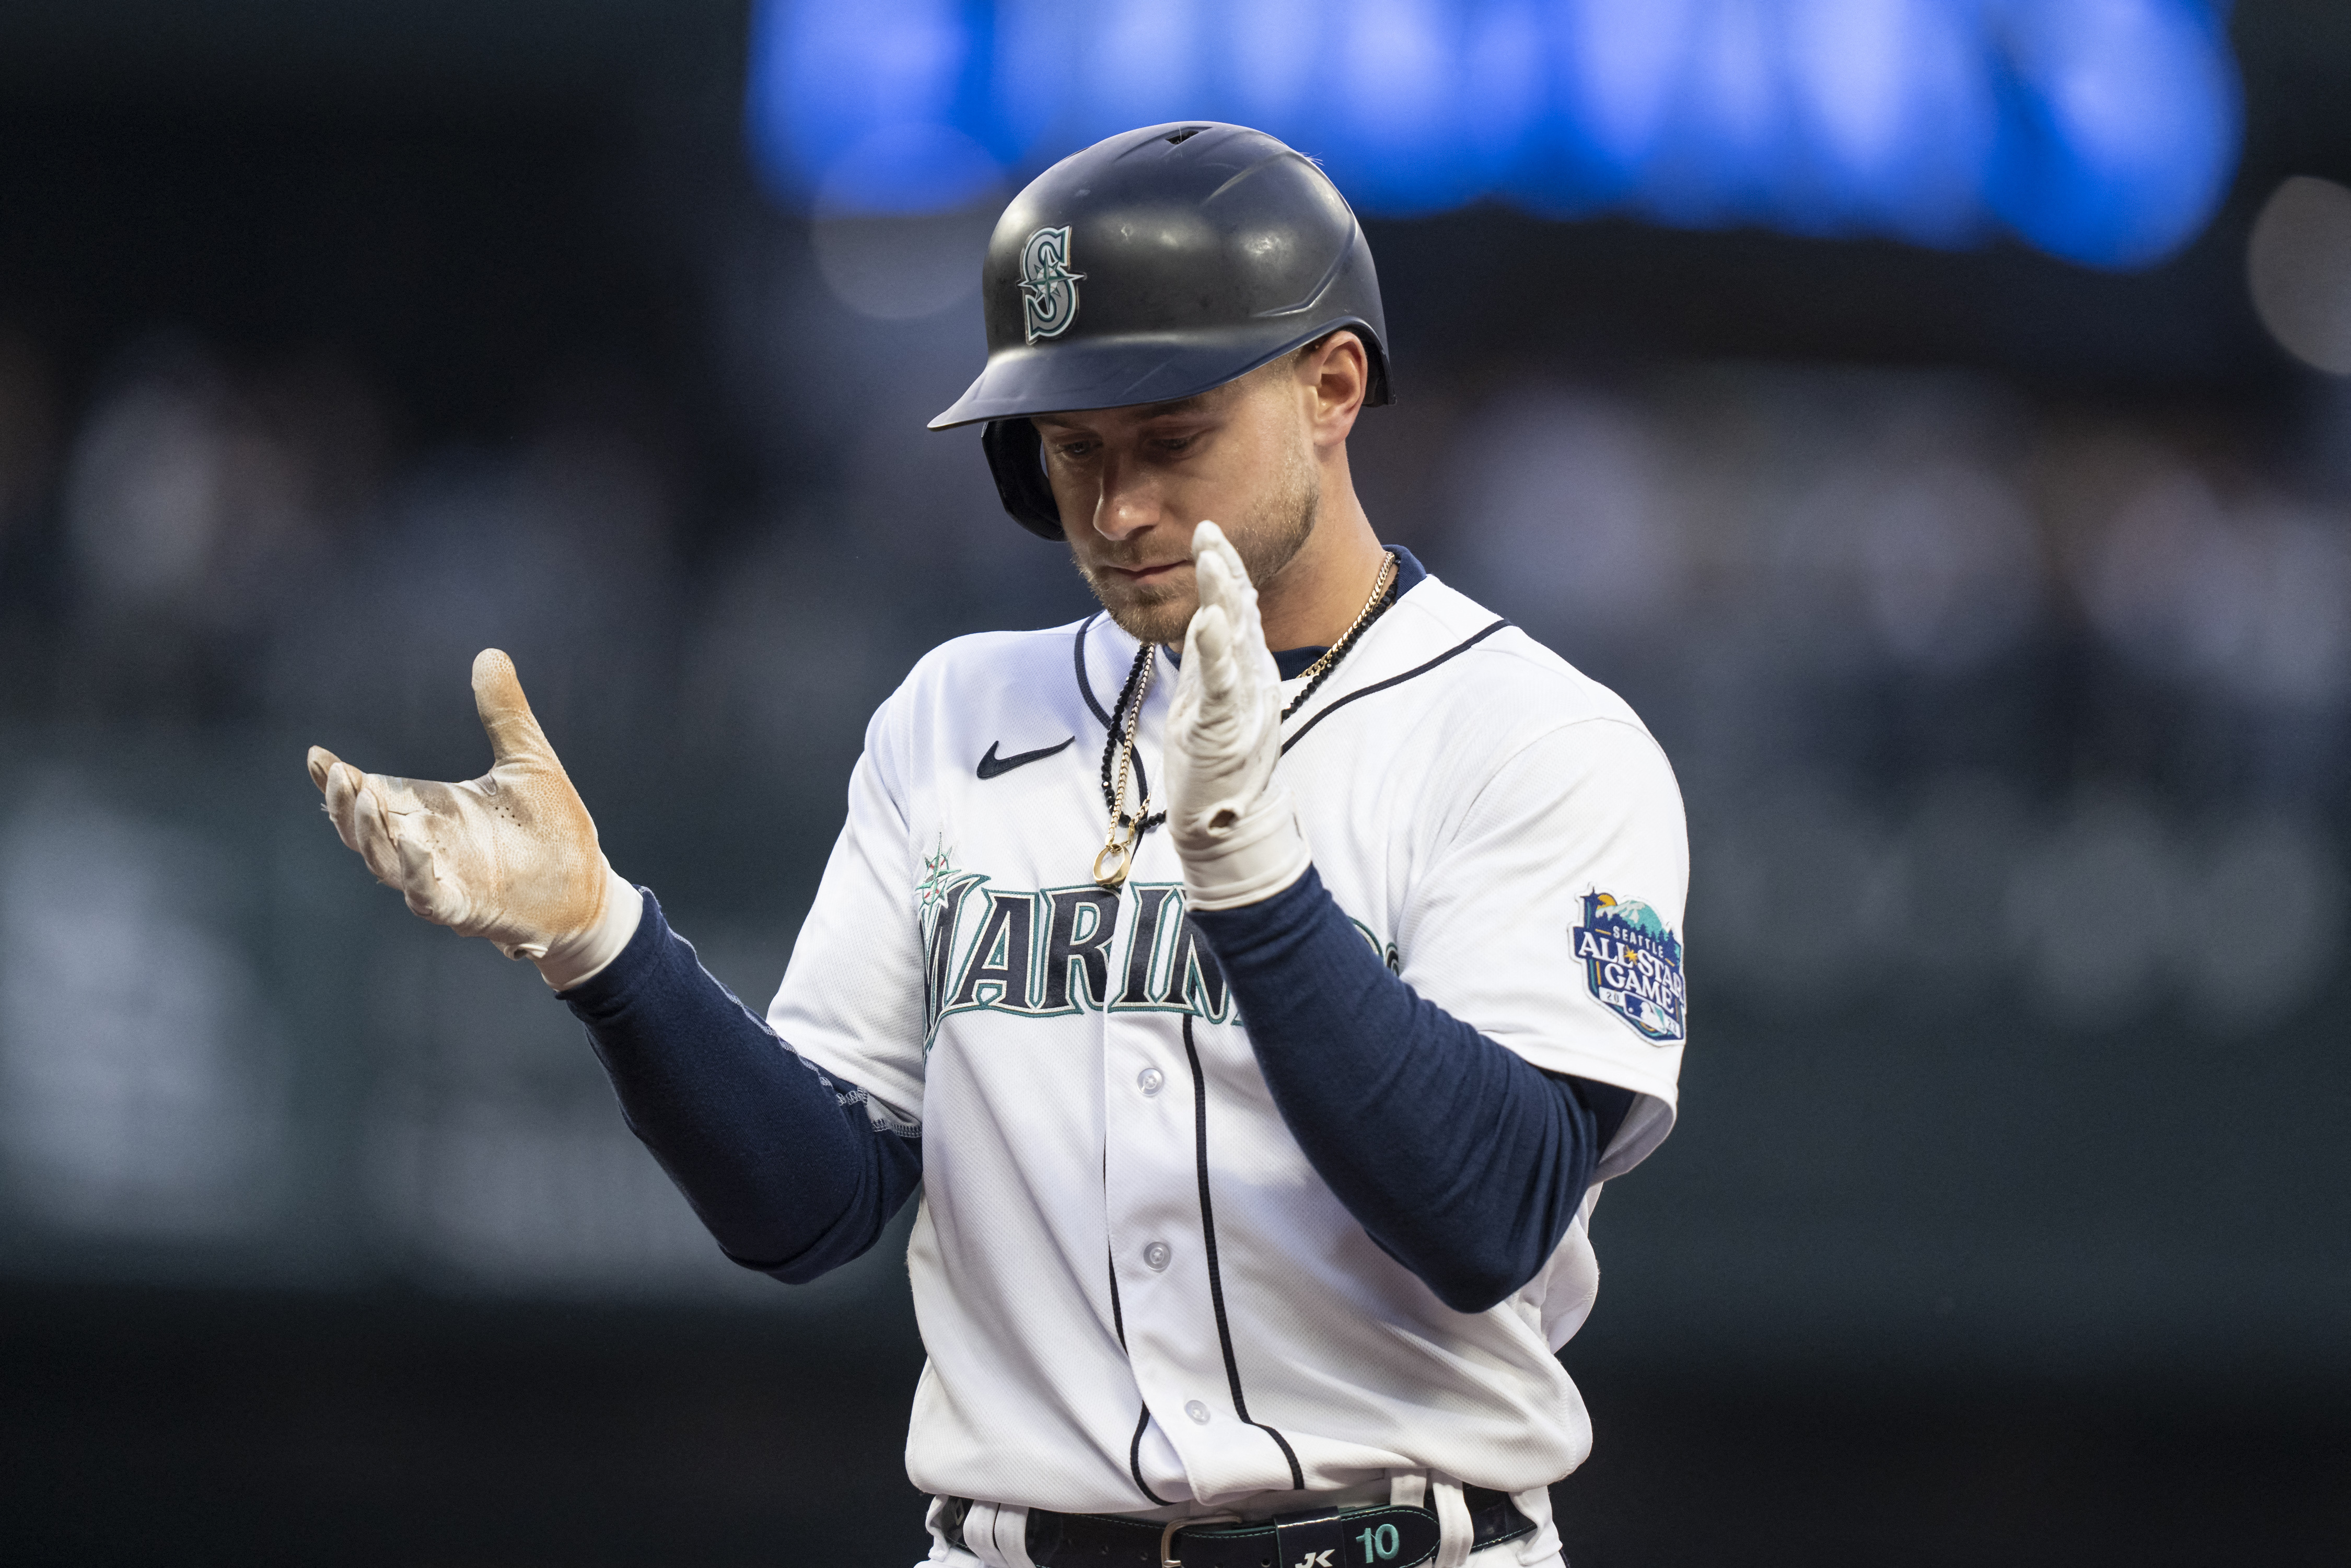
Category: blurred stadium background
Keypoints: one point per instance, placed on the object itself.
(1923, 412)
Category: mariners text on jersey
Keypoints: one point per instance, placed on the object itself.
(1062, 950)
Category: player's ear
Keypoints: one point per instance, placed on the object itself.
(1337, 371)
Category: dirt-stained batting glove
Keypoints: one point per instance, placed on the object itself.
(1234, 827)
(510, 857)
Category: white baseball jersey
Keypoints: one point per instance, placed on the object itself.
(1133, 1289)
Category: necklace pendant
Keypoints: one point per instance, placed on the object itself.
(1112, 863)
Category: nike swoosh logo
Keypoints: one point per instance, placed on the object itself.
(992, 765)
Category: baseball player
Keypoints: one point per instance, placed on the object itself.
(1254, 980)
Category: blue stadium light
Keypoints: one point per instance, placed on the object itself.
(2104, 131)
(2123, 127)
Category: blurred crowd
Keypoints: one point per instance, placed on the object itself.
(2043, 705)
(2031, 711)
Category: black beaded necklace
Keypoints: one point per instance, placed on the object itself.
(1121, 727)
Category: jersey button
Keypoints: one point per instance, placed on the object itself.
(1149, 1081)
(1197, 1411)
(1157, 1255)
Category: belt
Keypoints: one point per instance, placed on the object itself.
(1389, 1536)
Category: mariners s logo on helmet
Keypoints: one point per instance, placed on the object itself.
(1049, 289)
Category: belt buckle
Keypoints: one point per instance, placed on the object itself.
(1167, 1558)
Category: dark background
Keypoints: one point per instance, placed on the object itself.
(2006, 1218)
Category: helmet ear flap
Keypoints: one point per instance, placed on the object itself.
(1015, 456)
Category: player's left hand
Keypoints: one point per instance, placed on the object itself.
(1234, 829)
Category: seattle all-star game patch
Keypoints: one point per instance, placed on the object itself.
(1632, 964)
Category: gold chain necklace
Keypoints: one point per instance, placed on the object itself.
(1312, 674)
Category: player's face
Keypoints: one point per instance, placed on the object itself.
(1133, 482)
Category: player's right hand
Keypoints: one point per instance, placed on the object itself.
(511, 856)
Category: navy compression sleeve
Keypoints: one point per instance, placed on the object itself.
(1463, 1160)
(783, 1165)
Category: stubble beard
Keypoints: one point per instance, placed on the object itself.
(1268, 540)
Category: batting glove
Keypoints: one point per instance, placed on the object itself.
(1234, 829)
(510, 857)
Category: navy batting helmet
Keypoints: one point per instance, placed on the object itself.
(1150, 267)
